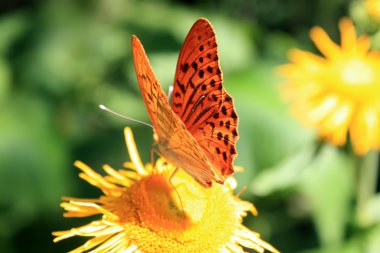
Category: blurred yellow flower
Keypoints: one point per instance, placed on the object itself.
(373, 8)
(142, 211)
(339, 93)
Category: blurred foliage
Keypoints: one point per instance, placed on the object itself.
(60, 59)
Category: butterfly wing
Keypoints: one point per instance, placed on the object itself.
(201, 101)
(149, 85)
(175, 142)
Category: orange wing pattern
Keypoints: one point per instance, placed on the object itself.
(149, 85)
(198, 133)
(201, 101)
(175, 142)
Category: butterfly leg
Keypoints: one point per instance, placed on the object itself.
(241, 191)
(175, 189)
(152, 151)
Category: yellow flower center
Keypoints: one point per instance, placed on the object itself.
(158, 205)
(356, 78)
(179, 214)
(356, 72)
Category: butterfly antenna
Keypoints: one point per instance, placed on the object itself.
(105, 108)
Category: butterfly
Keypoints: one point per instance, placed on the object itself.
(198, 131)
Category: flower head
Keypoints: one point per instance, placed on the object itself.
(373, 8)
(338, 93)
(146, 209)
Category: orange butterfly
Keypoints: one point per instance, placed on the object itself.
(198, 131)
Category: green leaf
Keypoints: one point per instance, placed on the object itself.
(286, 174)
(328, 189)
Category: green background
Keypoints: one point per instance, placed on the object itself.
(60, 59)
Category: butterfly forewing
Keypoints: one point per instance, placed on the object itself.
(149, 85)
(175, 142)
(201, 101)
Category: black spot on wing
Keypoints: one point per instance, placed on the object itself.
(224, 110)
(228, 99)
(182, 87)
(201, 73)
(228, 124)
(226, 139)
(194, 65)
(185, 67)
(234, 116)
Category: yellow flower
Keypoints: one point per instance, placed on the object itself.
(339, 93)
(144, 210)
(373, 8)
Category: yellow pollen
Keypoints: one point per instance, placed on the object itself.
(158, 204)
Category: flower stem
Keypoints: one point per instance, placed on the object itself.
(367, 169)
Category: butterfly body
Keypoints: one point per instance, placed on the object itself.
(198, 131)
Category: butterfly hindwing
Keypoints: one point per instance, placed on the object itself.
(201, 101)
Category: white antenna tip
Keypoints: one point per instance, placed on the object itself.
(103, 107)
